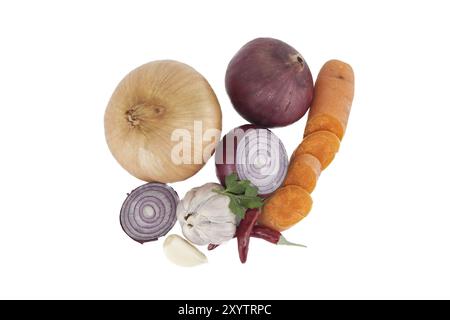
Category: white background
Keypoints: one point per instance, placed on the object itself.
(380, 225)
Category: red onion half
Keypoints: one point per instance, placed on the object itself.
(149, 212)
(255, 154)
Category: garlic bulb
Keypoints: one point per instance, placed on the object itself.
(205, 217)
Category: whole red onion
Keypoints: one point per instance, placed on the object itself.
(269, 83)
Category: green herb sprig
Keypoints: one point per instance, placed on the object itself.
(243, 195)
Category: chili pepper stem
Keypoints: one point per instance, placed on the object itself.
(284, 241)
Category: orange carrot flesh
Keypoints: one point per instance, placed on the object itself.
(333, 96)
(304, 171)
(286, 207)
(321, 144)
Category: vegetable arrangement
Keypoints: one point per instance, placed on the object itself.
(163, 122)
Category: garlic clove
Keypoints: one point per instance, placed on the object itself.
(182, 253)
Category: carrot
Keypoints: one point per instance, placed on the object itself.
(304, 171)
(333, 96)
(287, 206)
(321, 144)
(325, 127)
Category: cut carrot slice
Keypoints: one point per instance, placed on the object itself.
(304, 171)
(287, 206)
(321, 144)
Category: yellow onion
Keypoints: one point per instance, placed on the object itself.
(163, 122)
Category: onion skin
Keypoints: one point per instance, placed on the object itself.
(147, 106)
(226, 162)
(269, 83)
(144, 226)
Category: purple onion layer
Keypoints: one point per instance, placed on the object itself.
(149, 212)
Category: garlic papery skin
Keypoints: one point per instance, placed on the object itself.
(205, 216)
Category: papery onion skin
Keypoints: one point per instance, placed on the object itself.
(147, 106)
(269, 83)
(226, 162)
(149, 212)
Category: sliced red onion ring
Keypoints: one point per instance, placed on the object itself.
(149, 212)
(255, 154)
(262, 159)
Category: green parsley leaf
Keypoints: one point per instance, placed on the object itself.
(243, 195)
(251, 191)
(251, 203)
(236, 208)
(237, 188)
(231, 180)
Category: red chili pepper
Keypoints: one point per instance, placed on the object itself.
(272, 236)
(267, 234)
(244, 230)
